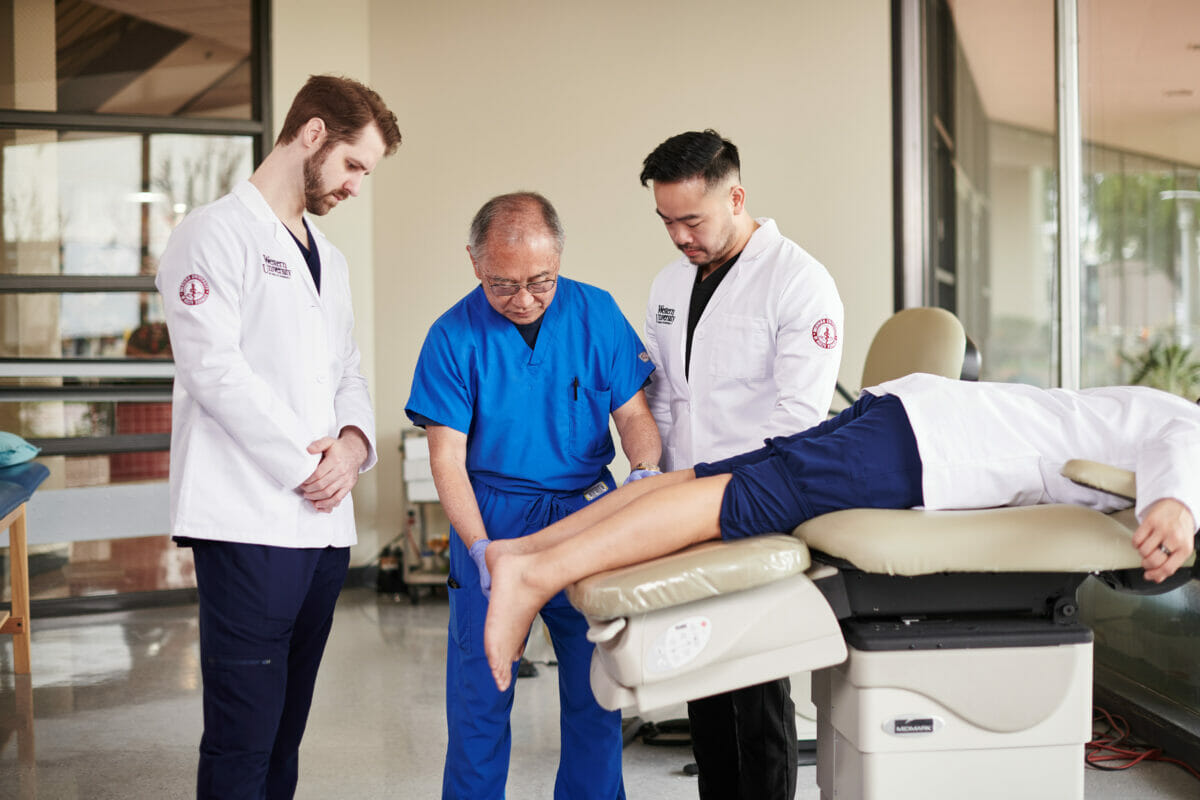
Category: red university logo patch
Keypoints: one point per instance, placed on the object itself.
(825, 334)
(194, 290)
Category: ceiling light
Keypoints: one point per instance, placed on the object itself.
(145, 197)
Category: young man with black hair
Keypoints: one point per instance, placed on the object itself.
(745, 330)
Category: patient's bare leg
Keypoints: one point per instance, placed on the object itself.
(590, 514)
(653, 524)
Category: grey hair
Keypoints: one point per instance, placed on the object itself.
(510, 206)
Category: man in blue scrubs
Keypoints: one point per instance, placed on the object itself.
(515, 385)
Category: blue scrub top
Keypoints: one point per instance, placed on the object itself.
(536, 419)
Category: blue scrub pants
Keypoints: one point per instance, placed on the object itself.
(865, 457)
(265, 613)
(477, 714)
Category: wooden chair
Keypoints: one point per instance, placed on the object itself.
(17, 484)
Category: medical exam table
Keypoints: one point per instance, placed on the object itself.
(950, 660)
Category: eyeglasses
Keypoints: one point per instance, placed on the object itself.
(510, 289)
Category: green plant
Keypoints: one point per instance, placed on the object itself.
(1166, 365)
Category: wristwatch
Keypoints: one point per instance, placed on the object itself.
(643, 465)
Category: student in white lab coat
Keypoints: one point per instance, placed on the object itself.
(745, 330)
(271, 426)
(921, 440)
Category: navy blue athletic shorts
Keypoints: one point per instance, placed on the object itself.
(866, 457)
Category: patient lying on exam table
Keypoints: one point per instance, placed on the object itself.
(921, 440)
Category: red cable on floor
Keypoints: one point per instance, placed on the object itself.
(1113, 743)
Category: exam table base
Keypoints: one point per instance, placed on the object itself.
(978, 723)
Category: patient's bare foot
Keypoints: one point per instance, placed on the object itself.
(498, 547)
(495, 549)
(514, 604)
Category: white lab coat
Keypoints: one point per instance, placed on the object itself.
(264, 366)
(1003, 444)
(765, 354)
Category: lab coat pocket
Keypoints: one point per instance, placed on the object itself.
(223, 494)
(740, 345)
(589, 420)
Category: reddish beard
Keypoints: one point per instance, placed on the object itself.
(317, 197)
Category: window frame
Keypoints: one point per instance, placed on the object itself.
(118, 510)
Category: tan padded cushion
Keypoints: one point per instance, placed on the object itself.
(705, 570)
(1046, 538)
(1106, 478)
(915, 340)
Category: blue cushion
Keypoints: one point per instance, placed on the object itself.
(28, 476)
(11, 496)
(14, 449)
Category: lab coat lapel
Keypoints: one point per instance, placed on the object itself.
(253, 200)
(295, 259)
(723, 291)
(679, 329)
(750, 253)
(719, 296)
(322, 244)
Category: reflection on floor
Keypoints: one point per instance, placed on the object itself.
(82, 569)
(113, 711)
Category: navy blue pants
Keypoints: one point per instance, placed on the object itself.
(866, 457)
(265, 613)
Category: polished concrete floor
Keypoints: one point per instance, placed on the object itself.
(113, 711)
(111, 566)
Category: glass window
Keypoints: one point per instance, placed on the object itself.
(116, 120)
(1134, 283)
(992, 185)
(991, 179)
(1140, 303)
(170, 59)
(80, 325)
(39, 420)
(988, 79)
(104, 204)
(94, 442)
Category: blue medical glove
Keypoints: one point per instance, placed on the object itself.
(638, 474)
(485, 579)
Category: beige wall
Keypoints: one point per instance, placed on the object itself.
(567, 99)
(310, 37)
